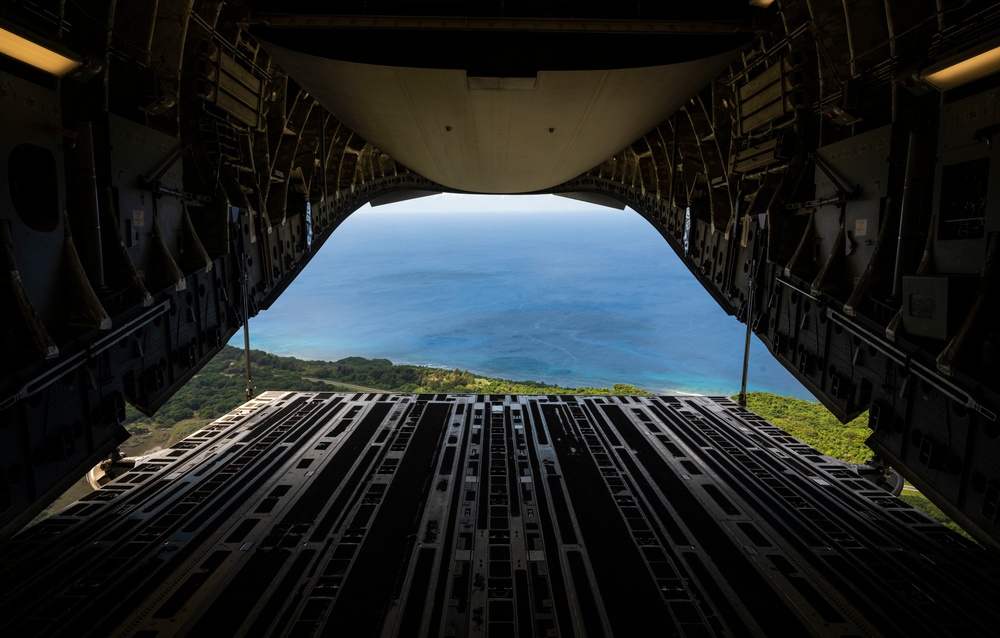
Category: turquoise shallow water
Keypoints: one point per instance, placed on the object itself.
(586, 298)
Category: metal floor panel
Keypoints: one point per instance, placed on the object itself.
(308, 514)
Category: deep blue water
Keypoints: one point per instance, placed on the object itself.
(583, 298)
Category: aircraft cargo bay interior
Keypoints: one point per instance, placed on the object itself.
(825, 169)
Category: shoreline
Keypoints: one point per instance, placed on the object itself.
(500, 376)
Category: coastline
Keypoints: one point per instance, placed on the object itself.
(605, 382)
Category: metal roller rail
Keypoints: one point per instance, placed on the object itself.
(836, 529)
(162, 520)
(492, 515)
(869, 529)
(94, 513)
(787, 501)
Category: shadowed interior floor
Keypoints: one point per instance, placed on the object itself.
(465, 515)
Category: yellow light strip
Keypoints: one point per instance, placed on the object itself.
(964, 71)
(38, 56)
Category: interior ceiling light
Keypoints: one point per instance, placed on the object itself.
(761, 3)
(28, 48)
(970, 65)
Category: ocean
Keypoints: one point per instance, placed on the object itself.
(579, 298)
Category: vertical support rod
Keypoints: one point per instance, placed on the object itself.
(323, 167)
(891, 37)
(850, 40)
(106, 75)
(746, 347)
(673, 164)
(909, 213)
(245, 289)
(88, 214)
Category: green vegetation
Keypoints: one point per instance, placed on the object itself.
(918, 501)
(383, 374)
(221, 386)
(162, 435)
(813, 424)
(218, 388)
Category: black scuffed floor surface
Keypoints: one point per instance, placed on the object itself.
(321, 514)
